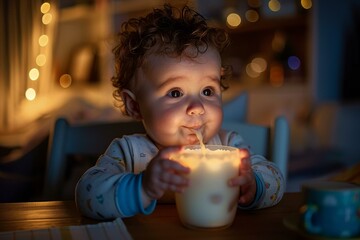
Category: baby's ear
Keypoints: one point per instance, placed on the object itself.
(131, 105)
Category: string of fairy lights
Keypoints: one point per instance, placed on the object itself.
(41, 58)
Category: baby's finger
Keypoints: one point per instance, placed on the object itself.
(244, 153)
(245, 198)
(174, 167)
(177, 188)
(174, 179)
(240, 180)
(166, 154)
(245, 165)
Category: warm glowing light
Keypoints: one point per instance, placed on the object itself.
(30, 94)
(260, 64)
(233, 20)
(41, 60)
(277, 75)
(250, 70)
(43, 40)
(294, 62)
(278, 42)
(214, 166)
(274, 5)
(252, 15)
(65, 81)
(45, 7)
(34, 74)
(46, 18)
(307, 4)
(255, 67)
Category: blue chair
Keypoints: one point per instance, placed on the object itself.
(271, 142)
(236, 108)
(91, 139)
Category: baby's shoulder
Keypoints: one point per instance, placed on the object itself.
(133, 139)
(131, 145)
(224, 137)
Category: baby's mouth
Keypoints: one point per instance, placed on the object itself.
(195, 130)
(199, 134)
(194, 134)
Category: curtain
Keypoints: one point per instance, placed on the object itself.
(21, 26)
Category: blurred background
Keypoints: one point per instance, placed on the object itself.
(297, 58)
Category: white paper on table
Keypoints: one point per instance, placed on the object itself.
(115, 230)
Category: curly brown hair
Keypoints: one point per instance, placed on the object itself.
(169, 31)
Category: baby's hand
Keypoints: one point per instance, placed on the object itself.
(163, 174)
(246, 179)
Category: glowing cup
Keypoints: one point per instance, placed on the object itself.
(209, 201)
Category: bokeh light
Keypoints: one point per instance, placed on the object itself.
(294, 62)
(278, 42)
(276, 75)
(43, 40)
(45, 7)
(30, 94)
(233, 20)
(65, 80)
(46, 18)
(261, 63)
(41, 60)
(34, 74)
(306, 4)
(274, 5)
(251, 70)
(252, 15)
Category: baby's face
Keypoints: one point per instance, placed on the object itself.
(178, 96)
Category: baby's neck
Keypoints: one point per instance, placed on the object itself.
(159, 146)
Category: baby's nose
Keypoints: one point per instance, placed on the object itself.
(195, 108)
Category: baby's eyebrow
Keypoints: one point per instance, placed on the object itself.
(215, 78)
(170, 81)
(173, 80)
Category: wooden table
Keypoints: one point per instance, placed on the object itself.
(162, 224)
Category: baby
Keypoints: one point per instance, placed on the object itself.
(169, 76)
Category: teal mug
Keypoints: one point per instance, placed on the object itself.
(331, 209)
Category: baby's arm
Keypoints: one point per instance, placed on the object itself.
(113, 187)
(260, 181)
(270, 183)
(107, 191)
(121, 185)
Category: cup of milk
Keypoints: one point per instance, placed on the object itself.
(208, 202)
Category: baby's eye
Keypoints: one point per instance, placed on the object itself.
(175, 93)
(208, 92)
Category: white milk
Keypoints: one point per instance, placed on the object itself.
(209, 202)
